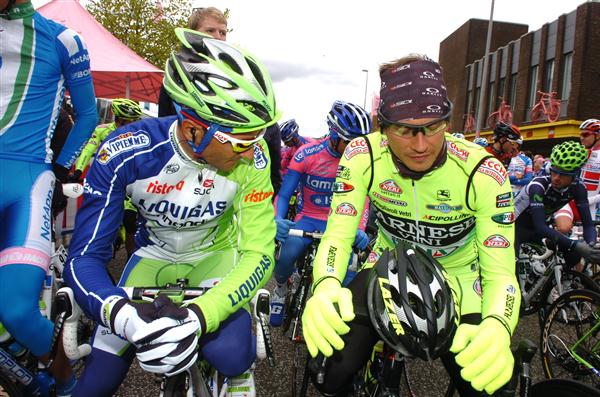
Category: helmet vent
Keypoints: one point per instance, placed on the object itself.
(230, 62)
(258, 75)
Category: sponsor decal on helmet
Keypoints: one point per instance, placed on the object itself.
(390, 307)
(496, 241)
(389, 200)
(346, 209)
(458, 152)
(503, 200)
(356, 146)
(443, 195)
(445, 208)
(493, 169)
(343, 172)
(342, 187)
(390, 186)
(260, 160)
(121, 144)
(505, 218)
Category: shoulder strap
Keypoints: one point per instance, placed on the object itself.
(471, 176)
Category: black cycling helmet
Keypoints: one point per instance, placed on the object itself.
(505, 130)
(410, 303)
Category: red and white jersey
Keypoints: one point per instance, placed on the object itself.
(590, 176)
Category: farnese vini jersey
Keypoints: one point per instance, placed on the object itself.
(461, 213)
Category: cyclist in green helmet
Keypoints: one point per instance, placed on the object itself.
(545, 195)
(200, 181)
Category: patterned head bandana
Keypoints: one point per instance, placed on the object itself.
(414, 91)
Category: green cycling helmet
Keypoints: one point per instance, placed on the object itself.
(127, 109)
(223, 84)
(569, 156)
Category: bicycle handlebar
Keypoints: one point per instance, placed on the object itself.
(302, 233)
(72, 190)
(73, 350)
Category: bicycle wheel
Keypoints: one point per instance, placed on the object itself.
(562, 388)
(570, 338)
(570, 280)
(553, 111)
(536, 113)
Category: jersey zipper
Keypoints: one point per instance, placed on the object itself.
(416, 209)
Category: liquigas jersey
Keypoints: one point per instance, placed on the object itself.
(461, 213)
(186, 211)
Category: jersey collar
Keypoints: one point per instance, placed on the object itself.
(20, 11)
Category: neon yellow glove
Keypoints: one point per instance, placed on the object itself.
(322, 325)
(484, 354)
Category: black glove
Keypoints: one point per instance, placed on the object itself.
(75, 177)
(588, 253)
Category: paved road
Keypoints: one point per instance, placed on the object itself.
(429, 379)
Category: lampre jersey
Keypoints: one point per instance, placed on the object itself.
(187, 211)
(461, 213)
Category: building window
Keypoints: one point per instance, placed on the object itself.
(468, 107)
(548, 73)
(565, 89)
(532, 86)
(500, 93)
(491, 101)
(513, 90)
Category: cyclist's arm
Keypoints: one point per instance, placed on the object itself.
(78, 78)
(494, 239)
(90, 148)
(538, 217)
(290, 183)
(583, 206)
(364, 219)
(527, 174)
(91, 248)
(346, 208)
(256, 245)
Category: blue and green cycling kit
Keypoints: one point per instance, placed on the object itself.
(38, 61)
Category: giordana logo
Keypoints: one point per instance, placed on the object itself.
(443, 195)
(156, 188)
(390, 186)
(346, 209)
(172, 168)
(120, 144)
(496, 241)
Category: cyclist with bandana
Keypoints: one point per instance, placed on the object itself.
(443, 194)
(200, 181)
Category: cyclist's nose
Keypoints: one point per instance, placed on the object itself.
(419, 142)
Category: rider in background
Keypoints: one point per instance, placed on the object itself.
(292, 141)
(200, 181)
(40, 60)
(314, 168)
(545, 195)
(506, 141)
(481, 141)
(520, 171)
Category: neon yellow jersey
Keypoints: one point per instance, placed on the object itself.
(461, 213)
(98, 136)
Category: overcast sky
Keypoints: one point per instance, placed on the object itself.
(316, 50)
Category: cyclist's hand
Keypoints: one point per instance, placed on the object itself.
(484, 354)
(169, 344)
(587, 252)
(126, 317)
(283, 228)
(361, 240)
(321, 322)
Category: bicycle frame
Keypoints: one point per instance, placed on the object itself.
(548, 105)
(595, 348)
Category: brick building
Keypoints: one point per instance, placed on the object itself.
(563, 56)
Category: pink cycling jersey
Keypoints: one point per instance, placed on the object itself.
(287, 153)
(317, 164)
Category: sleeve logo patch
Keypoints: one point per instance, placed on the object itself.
(503, 200)
(342, 187)
(343, 172)
(496, 241)
(260, 160)
(506, 218)
(346, 209)
(357, 146)
(121, 144)
(458, 152)
(390, 186)
(494, 169)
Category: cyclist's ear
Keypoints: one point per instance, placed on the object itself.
(192, 131)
